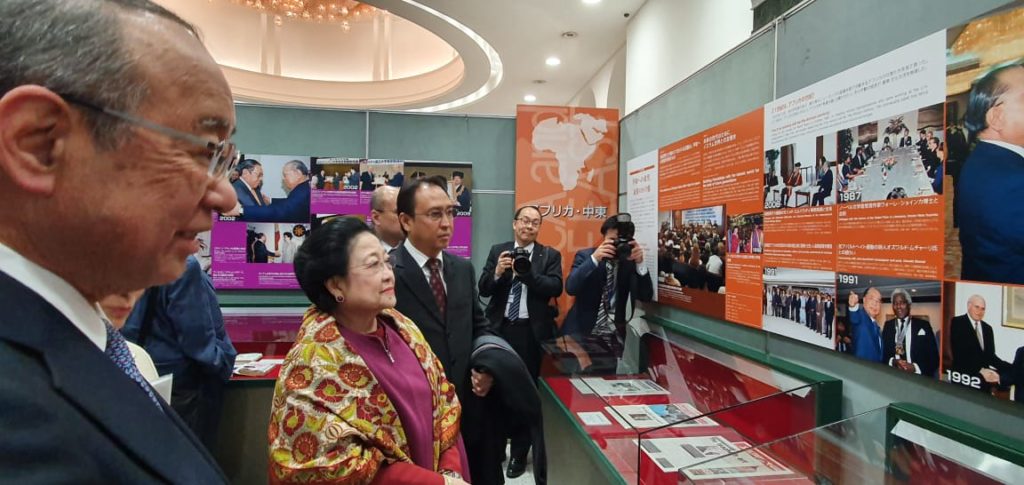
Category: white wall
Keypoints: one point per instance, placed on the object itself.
(607, 89)
(668, 40)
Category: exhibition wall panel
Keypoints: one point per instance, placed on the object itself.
(816, 41)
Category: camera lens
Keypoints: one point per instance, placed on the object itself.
(521, 261)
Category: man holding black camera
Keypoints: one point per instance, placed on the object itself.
(521, 277)
(603, 279)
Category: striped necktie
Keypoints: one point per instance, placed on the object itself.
(603, 325)
(514, 296)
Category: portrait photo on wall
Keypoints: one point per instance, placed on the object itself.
(801, 173)
(459, 177)
(896, 322)
(375, 173)
(896, 157)
(800, 304)
(984, 344)
(271, 188)
(270, 242)
(334, 174)
(745, 234)
(692, 248)
(984, 82)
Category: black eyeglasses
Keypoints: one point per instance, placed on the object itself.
(224, 155)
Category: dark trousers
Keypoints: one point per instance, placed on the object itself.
(198, 401)
(520, 336)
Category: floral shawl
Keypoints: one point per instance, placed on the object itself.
(331, 420)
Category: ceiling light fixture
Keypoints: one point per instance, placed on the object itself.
(321, 11)
(529, 98)
(591, 2)
(552, 61)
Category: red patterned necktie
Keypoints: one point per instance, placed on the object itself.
(437, 285)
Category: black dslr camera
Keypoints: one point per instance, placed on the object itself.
(521, 260)
(626, 230)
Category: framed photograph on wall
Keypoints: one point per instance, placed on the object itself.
(1013, 307)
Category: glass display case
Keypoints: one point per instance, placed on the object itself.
(264, 332)
(900, 443)
(681, 391)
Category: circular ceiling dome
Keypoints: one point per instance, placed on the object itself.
(396, 54)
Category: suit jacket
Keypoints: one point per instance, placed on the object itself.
(464, 201)
(71, 415)
(865, 336)
(294, 208)
(542, 283)
(450, 337)
(825, 184)
(245, 197)
(366, 181)
(586, 283)
(397, 181)
(924, 350)
(1017, 374)
(989, 211)
(968, 356)
(260, 254)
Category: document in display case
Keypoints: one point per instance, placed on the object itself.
(690, 402)
(900, 443)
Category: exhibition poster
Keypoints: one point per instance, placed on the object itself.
(884, 226)
(283, 197)
(567, 164)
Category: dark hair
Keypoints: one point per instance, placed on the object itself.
(406, 203)
(78, 49)
(324, 255)
(984, 92)
(246, 165)
(609, 223)
(288, 235)
(528, 206)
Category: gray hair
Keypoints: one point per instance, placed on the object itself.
(377, 199)
(297, 165)
(901, 291)
(77, 48)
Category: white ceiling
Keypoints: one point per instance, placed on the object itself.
(522, 32)
(526, 32)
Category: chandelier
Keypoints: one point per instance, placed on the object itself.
(341, 12)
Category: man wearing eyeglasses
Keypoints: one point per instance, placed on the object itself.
(520, 305)
(293, 208)
(437, 290)
(986, 198)
(114, 123)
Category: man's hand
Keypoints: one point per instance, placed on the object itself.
(504, 264)
(605, 251)
(233, 212)
(854, 299)
(904, 365)
(990, 376)
(482, 382)
(266, 200)
(637, 254)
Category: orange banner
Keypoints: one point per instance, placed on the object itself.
(567, 163)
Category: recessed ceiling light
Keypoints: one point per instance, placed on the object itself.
(552, 61)
(529, 98)
(591, 2)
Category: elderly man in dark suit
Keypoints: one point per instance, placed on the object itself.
(520, 304)
(294, 208)
(249, 183)
(987, 201)
(908, 343)
(438, 291)
(973, 349)
(84, 95)
(603, 283)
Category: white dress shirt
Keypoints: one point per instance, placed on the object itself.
(421, 261)
(523, 312)
(84, 315)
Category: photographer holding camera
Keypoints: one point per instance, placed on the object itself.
(603, 279)
(521, 277)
